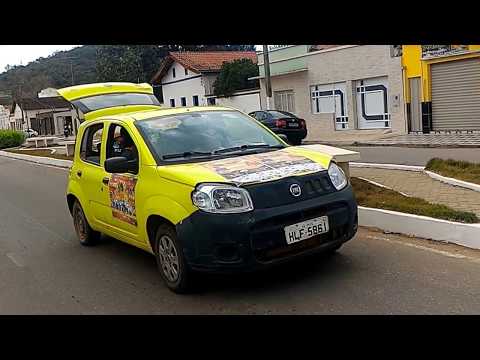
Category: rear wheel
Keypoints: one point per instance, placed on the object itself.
(171, 261)
(86, 235)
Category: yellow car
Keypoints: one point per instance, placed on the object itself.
(201, 188)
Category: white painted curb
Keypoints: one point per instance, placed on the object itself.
(387, 166)
(444, 179)
(421, 226)
(454, 182)
(66, 164)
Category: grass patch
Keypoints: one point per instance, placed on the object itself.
(462, 170)
(373, 196)
(43, 153)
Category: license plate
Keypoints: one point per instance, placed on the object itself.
(306, 229)
(293, 125)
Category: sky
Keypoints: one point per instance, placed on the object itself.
(23, 54)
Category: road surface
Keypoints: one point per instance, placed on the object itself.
(43, 269)
(413, 156)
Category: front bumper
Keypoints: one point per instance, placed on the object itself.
(255, 240)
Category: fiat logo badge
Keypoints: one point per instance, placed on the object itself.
(295, 190)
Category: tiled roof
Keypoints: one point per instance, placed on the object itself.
(43, 103)
(202, 61)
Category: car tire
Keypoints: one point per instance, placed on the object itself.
(86, 235)
(171, 261)
(295, 141)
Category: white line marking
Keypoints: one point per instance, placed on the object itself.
(426, 248)
(15, 259)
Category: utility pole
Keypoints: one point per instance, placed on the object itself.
(268, 85)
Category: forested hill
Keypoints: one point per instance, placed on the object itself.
(53, 71)
(93, 63)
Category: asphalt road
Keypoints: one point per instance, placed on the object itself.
(43, 269)
(413, 156)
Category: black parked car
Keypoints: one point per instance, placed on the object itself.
(282, 122)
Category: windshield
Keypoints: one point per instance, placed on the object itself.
(278, 114)
(98, 102)
(205, 134)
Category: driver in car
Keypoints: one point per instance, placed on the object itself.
(124, 146)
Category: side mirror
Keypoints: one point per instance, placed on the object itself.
(120, 164)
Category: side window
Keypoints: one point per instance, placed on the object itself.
(261, 115)
(120, 143)
(92, 144)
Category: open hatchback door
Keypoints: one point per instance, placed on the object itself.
(102, 99)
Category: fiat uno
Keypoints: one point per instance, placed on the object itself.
(201, 188)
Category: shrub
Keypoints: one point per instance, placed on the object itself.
(11, 138)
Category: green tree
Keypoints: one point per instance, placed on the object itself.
(234, 76)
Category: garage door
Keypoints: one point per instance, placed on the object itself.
(456, 95)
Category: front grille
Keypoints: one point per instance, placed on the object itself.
(277, 193)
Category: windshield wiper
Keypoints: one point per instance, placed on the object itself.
(186, 154)
(246, 147)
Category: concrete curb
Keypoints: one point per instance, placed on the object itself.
(421, 226)
(387, 166)
(65, 164)
(433, 175)
(454, 182)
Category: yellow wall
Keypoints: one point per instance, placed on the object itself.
(414, 66)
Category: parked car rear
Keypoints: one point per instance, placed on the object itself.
(283, 122)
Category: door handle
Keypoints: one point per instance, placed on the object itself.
(79, 173)
(105, 180)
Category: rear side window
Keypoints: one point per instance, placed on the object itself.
(99, 102)
(90, 149)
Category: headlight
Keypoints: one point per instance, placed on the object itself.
(337, 176)
(220, 198)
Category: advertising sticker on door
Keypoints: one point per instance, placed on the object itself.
(122, 198)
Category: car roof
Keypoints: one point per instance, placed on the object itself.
(150, 114)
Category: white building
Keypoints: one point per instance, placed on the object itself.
(4, 117)
(47, 116)
(187, 79)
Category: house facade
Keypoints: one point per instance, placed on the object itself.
(187, 78)
(47, 116)
(4, 118)
(442, 87)
(343, 92)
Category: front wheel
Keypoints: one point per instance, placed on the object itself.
(171, 261)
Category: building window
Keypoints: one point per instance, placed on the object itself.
(211, 101)
(195, 100)
(284, 100)
(186, 71)
(395, 50)
(372, 103)
(184, 101)
(331, 99)
(173, 72)
(172, 102)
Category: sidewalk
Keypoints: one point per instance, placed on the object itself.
(418, 184)
(428, 140)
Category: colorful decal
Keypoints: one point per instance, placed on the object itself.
(263, 167)
(122, 198)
